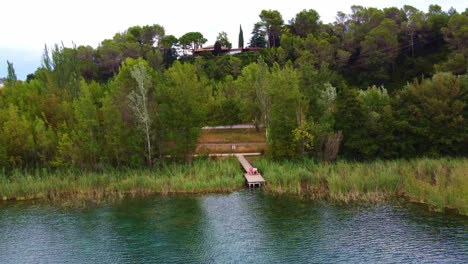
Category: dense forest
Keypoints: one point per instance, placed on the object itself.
(375, 84)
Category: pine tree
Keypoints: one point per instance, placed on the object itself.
(241, 38)
(11, 78)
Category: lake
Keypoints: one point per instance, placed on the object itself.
(241, 227)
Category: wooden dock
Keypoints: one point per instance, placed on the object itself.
(253, 180)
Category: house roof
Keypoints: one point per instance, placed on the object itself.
(225, 49)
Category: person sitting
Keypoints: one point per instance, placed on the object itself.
(251, 170)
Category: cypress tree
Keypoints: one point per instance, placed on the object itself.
(241, 38)
(11, 77)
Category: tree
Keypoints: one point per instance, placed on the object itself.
(379, 51)
(152, 35)
(306, 22)
(183, 108)
(224, 40)
(87, 62)
(45, 142)
(63, 69)
(380, 123)
(286, 113)
(79, 143)
(258, 37)
(241, 38)
(109, 58)
(350, 118)
(218, 48)
(16, 140)
(272, 23)
(254, 77)
(169, 52)
(11, 77)
(138, 102)
(434, 111)
(415, 22)
(192, 40)
(456, 35)
(120, 145)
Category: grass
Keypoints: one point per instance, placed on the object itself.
(440, 183)
(200, 177)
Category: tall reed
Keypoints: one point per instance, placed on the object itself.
(201, 176)
(441, 183)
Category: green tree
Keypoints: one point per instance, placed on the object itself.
(380, 123)
(272, 23)
(138, 102)
(109, 58)
(218, 48)
(11, 76)
(414, 23)
(16, 140)
(192, 40)
(241, 38)
(169, 52)
(183, 108)
(434, 111)
(87, 62)
(224, 40)
(85, 130)
(286, 113)
(151, 35)
(121, 146)
(258, 37)
(456, 35)
(350, 118)
(379, 50)
(45, 142)
(63, 69)
(254, 78)
(306, 22)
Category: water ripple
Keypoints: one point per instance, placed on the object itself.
(242, 227)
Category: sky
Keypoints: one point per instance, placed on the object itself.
(27, 25)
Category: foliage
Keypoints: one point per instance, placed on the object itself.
(200, 177)
(192, 40)
(241, 38)
(224, 40)
(11, 77)
(138, 102)
(435, 114)
(306, 22)
(183, 108)
(440, 183)
(258, 37)
(286, 113)
(315, 89)
(272, 23)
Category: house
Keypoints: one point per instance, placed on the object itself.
(224, 50)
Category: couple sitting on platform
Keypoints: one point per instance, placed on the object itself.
(253, 170)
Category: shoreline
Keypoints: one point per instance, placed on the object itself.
(343, 182)
(97, 197)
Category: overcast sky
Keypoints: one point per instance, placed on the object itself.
(27, 25)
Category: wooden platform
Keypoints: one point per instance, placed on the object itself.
(253, 180)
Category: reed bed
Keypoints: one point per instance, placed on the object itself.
(201, 176)
(440, 183)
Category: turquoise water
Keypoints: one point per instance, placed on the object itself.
(242, 227)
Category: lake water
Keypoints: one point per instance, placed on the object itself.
(241, 227)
